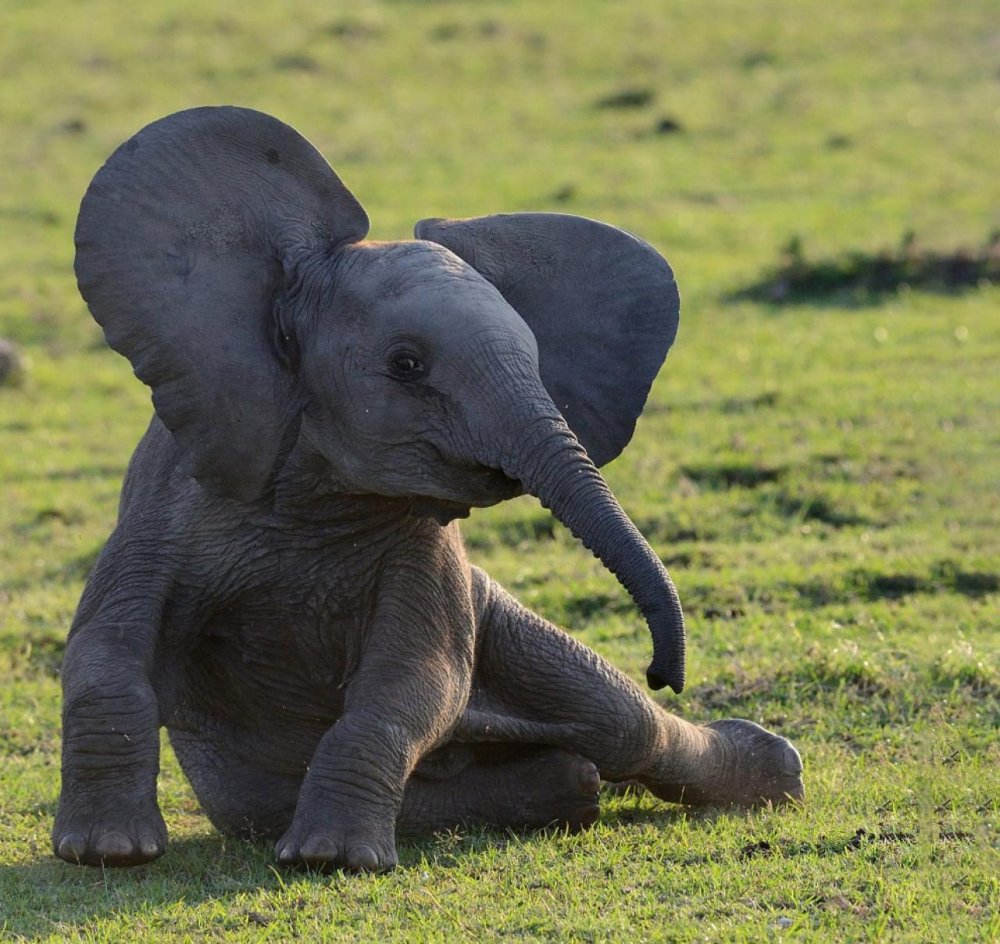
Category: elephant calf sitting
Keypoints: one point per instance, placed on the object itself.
(286, 590)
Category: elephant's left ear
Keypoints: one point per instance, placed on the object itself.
(603, 306)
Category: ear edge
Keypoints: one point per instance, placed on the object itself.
(107, 241)
(532, 257)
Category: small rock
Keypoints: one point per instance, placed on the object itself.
(11, 364)
(783, 923)
(668, 125)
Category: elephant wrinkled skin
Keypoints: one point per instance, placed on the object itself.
(286, 589)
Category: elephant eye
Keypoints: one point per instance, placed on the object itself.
(404, 366)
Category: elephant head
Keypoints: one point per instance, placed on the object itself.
(509, 353)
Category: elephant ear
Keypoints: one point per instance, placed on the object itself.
(603, 306)
(183, 242)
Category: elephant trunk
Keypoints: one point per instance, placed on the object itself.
(552, 465)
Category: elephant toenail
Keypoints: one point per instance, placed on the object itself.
(114, 845)
(362, 858)
(150, 848)
(319, 847)
(72, 846)
(589, 778)
(791, 763)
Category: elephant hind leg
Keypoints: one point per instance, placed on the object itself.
(501, 785)
(537, 684)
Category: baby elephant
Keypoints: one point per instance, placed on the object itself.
(286, 590)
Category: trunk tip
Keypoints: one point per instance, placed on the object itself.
(658, 677)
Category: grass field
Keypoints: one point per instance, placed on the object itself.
(820, 472)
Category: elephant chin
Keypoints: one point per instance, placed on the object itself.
(441, 510)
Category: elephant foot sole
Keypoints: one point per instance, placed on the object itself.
(126, 834)
(768, 768)
(752, 768)
(553, 788)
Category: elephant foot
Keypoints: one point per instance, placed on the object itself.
(325, 846)
(552, 788)
(123, 833)
(767, 770)
(744, 765)
(507, 786)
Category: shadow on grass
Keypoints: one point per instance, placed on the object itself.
(45, 895)
(726, 475)
(832, 679)
(865, 278)
(945, 576)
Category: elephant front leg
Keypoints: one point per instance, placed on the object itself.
(402, 701)
(351, 796)
(347, 806)
(108, 813)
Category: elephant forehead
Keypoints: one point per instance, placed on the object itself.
(423, 281)
(413, 266)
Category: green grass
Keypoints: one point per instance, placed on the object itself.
(822, 477)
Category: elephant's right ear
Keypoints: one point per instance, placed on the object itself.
(182, 245)
(602, 304)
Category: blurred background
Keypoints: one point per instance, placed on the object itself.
(718, 130)
(818, 462)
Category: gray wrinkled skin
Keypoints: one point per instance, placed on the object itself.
(286, 589)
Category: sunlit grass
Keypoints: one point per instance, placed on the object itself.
(820, 473)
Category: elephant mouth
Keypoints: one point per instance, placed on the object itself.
(481, 487)
(496, 484)
(466, 481)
